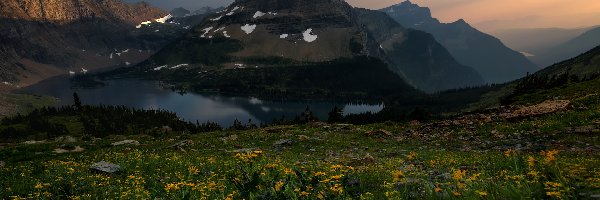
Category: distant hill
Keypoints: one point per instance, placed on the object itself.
(486, 54)
(534, 40)
(568, 49)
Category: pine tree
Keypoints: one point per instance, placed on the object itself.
(77, 101)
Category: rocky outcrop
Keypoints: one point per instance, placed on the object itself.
(42, 38)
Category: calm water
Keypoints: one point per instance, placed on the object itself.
(191, 107)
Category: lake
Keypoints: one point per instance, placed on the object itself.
(143, 94)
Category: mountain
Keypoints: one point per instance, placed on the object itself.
(180, 12)
(270, 34)
(532, 41)
(43, 38)
(486, 54)
(568, 49)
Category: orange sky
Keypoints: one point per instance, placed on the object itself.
(501, 14)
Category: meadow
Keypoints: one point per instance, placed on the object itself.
(469, 156)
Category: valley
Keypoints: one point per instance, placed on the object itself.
(277, 99)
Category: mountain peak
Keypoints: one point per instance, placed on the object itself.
(63, 12)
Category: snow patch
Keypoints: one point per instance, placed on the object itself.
(219, 29)
(258, 14)
(71, 73)
(84, 71)
(308, 36)
(118, 54)
(127, 63)
(283, 36)
(161, 20)
(125, 51)
(225, 34)
(111, 56)
(206, 30)
(180, 65)
(164, 19)
(248, 28)
(186, 27)
(161, 67)
(217, 19)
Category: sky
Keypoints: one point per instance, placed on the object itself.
(488, 15)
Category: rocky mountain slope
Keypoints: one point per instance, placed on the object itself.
(486, 54)
(43, 38)
(273, 33)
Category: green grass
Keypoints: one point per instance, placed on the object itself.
(484, 160)
(24, 103)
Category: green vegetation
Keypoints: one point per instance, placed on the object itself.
(467, 157)
(22, 103)
(197, 51)
(350, 78)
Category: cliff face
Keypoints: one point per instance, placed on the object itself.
(67, 11)
(68, 35)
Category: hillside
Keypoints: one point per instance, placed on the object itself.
(471, 47)
(47, 38)
(270, 34)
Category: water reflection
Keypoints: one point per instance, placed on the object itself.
(189, 106)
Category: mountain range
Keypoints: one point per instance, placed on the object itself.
(43, 38)
(266, 35)
(489, 56)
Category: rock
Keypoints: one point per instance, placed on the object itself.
(66, 139)
(34, 142)
(583, 129)
(229, 138)
(2, 164)
(244, 150)
(104, 166)
(68, 149)
(182, 144)
(303, 138)
(546, 107)
(368, 159)
(283, 142)
(379, 133)
(126, 142)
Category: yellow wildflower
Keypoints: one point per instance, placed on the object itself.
(459, 174)
(337, 188)
(455, 193)
(38, 186)
(193, 170)
(278, 186)
(481, 193)
(530, 161)
(549, 156)
(304, 194)
(319, 174)
(337, 177)
(397, 176)
(411, 156)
